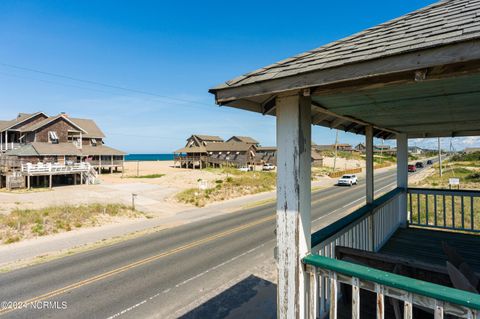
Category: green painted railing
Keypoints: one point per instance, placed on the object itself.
(358, 214)
(444, 209)
(419, 287)
(326, 274)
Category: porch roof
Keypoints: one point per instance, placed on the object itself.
(417, 74)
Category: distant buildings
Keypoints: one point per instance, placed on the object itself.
(470, 150)
(205, 150)
(415, 150)
(202, 151)
(331, 147)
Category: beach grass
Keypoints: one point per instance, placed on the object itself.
(468, 175)
(21, 224)
(234, 183)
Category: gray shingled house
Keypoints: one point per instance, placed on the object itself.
(31, 143)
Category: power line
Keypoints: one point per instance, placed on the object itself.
(112, 86)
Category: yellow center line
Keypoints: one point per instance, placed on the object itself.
(140, 263)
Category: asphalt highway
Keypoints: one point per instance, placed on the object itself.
(157, 274)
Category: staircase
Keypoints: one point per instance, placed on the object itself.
(90, 177)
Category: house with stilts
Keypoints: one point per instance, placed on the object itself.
(37, 149)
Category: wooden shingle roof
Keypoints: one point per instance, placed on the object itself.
(22, 117)
(63, 149)
(48, 120)
(209, 138)
(244, 139)
(91, 128)
(228, 147)
(441, 23)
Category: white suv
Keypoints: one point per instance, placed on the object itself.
(348, 180)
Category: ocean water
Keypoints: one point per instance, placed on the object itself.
(149, 157)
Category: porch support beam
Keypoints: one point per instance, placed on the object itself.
(369, 164)
(402, 175)
(293, 202)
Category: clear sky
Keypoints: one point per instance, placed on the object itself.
(173, 50)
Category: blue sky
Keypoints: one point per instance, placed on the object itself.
(174, 50)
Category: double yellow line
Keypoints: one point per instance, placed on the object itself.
(139, 263)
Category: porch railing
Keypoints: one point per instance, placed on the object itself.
(32, 169)
(367, 228)
(10, 146)
(440, 300)
(444, 208)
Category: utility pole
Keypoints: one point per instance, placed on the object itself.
(440, 158)
(336, 148)
(381, 152)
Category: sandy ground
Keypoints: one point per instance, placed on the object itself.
(153, 196)
(343, 163)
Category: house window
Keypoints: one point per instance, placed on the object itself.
(53, 137)
(93, 141)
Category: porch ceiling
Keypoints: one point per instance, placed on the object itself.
(428, 108)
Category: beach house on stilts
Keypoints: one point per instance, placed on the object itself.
(411, 252)
(37, 149)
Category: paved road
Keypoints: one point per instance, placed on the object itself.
(155, 275)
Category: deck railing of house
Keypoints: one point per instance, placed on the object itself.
(40, 168)
(10, 146)
(444, 208)
(440, 300)
(367, 228)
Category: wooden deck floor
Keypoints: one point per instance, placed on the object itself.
(422, 245)
(426, 246)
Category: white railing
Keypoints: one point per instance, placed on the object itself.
(444, 209)
(367, 228)
(403, 292)
(10, 146)
(40, 168)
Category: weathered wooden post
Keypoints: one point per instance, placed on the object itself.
(293, 202)
(402, 175)
(369, 182)
(369, 164)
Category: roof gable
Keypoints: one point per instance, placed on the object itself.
(91, 128)
(244, 139)
(41, 124)
(21, 118)
(208, 138)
